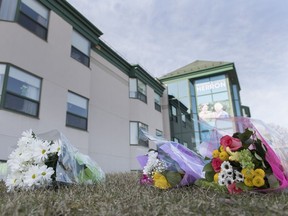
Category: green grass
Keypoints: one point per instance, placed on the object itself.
(122, 194)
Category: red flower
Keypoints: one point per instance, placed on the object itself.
(233, 189)
(216, 164)
(231, 142)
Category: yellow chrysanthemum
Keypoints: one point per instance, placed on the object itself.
(160, 181)
(215, 153)
(216, 177)
(258, 181)
(248, 173)
(224, 156)
(260, 172)
(248, 182)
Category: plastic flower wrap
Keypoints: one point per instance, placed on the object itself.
(249, 157)
(40, 161)
(171, 165)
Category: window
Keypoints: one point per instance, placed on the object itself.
(159, 134)
(136, 135)
(174, 113)
(2, 74)
(77, 111)
(137, 89)
(80, 49)
(21, 92)
(183, 117)
(34, 17)
(157, 99)
(176, 140)
(8, 9)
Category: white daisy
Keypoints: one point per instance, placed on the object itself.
(55, 147)
(32, 177)
(41, 150)
(226, 166)
(45, 174)
(239, 177)
(229, 180)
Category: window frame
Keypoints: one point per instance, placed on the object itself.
(136, 93)
(77, 54)
(139, 141)
(8, 93)
(157, 103)
(26, 20)
(72, 114)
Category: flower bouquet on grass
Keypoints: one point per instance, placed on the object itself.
(46, 160)
(171, 165)
(246, 162)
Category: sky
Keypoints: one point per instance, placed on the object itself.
(164, 35)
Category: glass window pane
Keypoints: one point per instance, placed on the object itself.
(133, 133)
(81, 43)
(141, 87)
(157, 98)
(220, 96)
(172, 89)
(77, 105)
(37, 7)
(204, 99)
(20, 104)
(24, 84)
(76, 121)
(2, 74)
(174, 111)
(8, 9)
(183, 88)
(133, 88)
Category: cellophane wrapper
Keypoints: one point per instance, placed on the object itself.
(179, 159)
(73, 166)
(275, 143)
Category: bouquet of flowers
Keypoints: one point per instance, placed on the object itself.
(171, 165)
(247, 160)
(39, 162)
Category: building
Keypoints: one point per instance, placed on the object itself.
(57, 73)
(202, 92)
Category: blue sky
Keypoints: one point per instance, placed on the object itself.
(164, 35)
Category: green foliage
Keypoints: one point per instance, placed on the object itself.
(210, 185)
(173, 178)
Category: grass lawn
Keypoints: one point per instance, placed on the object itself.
(122, 194)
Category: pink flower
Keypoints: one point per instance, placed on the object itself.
(216, 164)
(231, 142)
(146, 180)
(233, 189)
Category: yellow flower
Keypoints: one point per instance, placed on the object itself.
(260, 172)
(224, 156)
(234, 156)
(216, 177)
(258, 181)
(160, 181)
(215, 153)
(248, 173)
(248, 182)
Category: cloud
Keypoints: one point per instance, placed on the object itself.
(164, 35)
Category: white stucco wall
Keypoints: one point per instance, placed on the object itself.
(107, 88)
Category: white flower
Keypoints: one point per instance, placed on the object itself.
(27, 137)
(226, 166)
(45, 174)
(13, 181)
(41, 150)
(228, 180)
(32, 176)
(238, 176)
(151, 162)
(55, 147)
